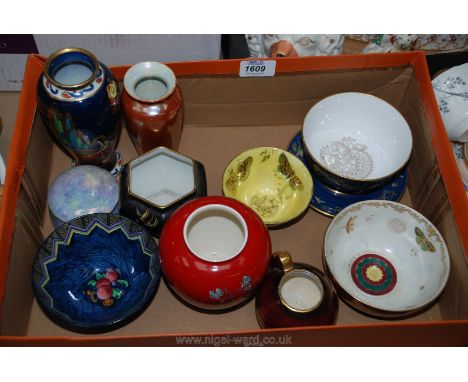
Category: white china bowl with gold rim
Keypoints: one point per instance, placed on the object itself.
(357, 137)
(386, 259)
(271, 181)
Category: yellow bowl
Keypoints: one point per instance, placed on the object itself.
(271, 181)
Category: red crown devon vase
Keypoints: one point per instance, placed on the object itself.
(152, 106)
(78, 99)
(215, 252)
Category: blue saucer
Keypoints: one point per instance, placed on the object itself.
(330, 202)
(96, 272)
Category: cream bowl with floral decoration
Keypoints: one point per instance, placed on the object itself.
(385, 259)
(271, 181)
(355, 142)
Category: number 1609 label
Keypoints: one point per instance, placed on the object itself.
(257, 68)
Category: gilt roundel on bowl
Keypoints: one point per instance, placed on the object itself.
(96, 272)
(215, 252)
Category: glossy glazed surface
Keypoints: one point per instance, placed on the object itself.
(152, 122)
(96, 272)
(328, 201)
(451, 91)
(163, 180)
(462, 161)
(214, 284)
(82, 190)
(355, 141)
(162, 177)
(386, 259)
(85, 120)
(271, 181)
(273, 313)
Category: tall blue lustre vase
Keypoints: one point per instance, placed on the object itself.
(78, 99)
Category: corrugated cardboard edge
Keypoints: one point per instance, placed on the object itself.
(16, 164)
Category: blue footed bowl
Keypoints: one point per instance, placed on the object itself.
(329, 202)
(96, 272)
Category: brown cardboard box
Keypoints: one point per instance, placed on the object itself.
(225, 114)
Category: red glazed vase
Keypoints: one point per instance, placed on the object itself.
(295, 294)
(152, 106)
(214, 252)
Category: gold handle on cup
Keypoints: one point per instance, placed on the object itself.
(285, 258)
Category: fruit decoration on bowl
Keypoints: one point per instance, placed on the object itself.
(96, 273)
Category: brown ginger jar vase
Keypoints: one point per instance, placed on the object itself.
(152, 106)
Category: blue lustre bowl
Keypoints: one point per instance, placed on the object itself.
(96, 273)
(329, 202)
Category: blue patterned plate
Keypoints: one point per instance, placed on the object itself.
(96, 272)
(329, 202)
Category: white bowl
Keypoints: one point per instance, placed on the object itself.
(357, 136)
(385, 258)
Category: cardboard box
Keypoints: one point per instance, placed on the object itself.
(225, 114)
(109, 49)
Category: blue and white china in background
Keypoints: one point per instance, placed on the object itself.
(82, 190)
(330, 202)
(96, 272)
(451, 91)
(78, 99)
(462, 161)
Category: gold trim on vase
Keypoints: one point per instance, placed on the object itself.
(58, 53)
